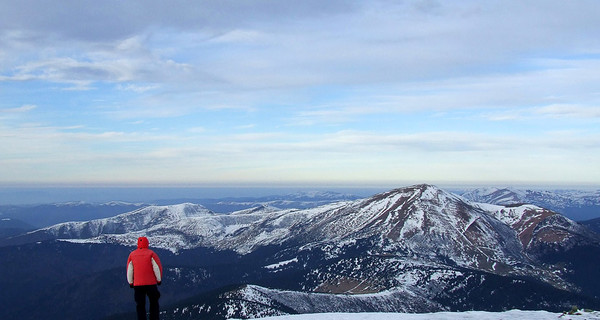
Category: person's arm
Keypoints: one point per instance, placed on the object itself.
(157, 268)
(130, 272)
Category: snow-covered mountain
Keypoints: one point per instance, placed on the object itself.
(421, 247)
(577, 204)
(419, 221)
(416, 219)
(174, 227)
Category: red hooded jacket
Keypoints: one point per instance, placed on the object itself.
(143, 265)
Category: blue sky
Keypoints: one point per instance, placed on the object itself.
(301, 92)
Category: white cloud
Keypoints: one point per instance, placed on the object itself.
(309, 82)
(247, 157)
(23, 108)
(136, 88)
(571, 111)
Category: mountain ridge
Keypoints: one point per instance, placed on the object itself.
(417, 220)
(436, 250)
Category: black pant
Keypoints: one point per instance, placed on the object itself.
(140, 299)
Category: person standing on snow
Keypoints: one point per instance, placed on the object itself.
(144, 273)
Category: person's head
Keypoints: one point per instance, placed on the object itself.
(143, 242)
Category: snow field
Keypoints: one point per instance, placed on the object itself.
(475, 315)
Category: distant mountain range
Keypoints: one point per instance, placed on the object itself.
(43, 215)
(16, 219)
(413, 249)
(576, 204)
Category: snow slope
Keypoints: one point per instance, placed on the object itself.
(479, 315)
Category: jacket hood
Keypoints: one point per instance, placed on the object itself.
(143, 243)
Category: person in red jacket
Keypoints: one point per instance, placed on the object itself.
(144, 273)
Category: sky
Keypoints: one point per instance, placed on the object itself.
(299, 92)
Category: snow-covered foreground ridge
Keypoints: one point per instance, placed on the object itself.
(478, 315)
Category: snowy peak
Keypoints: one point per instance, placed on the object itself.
(424, 219)
(422, 194)
(419, 209)
(420, 221)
